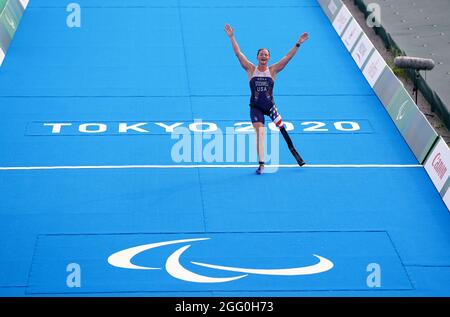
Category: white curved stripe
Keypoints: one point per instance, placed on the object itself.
(174, 268)
(323, 266)
(123, 258)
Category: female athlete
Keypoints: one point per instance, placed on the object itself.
(262, 78)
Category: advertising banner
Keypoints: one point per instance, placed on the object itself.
(374, 68)
(446, 199)
(351, 35)
(362, 50)
(387, 86)
(330, 7)
(412, 124)
(11, 12)
(438, 163)
(341, 20)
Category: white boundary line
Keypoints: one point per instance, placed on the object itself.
(33, 168)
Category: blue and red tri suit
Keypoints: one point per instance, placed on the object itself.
(261, 100)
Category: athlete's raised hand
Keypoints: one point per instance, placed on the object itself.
(229, 30)
(303, 38)
(245, 63)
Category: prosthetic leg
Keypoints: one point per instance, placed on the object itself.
(276, 118)
(294, 152)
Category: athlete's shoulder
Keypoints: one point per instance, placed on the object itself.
(273, 72)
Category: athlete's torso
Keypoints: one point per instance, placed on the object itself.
(261, 86)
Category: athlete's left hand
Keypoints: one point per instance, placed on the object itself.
(303, 38)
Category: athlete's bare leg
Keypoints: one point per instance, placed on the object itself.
(259, 130)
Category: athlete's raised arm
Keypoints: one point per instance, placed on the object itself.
(245, 63)
(278, 67)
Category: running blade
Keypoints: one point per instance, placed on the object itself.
(297, 157)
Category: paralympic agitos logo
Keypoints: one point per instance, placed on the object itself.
(123, 259)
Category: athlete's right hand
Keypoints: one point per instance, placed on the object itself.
(229, 30)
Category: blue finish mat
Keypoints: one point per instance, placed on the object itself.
(265, 261)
